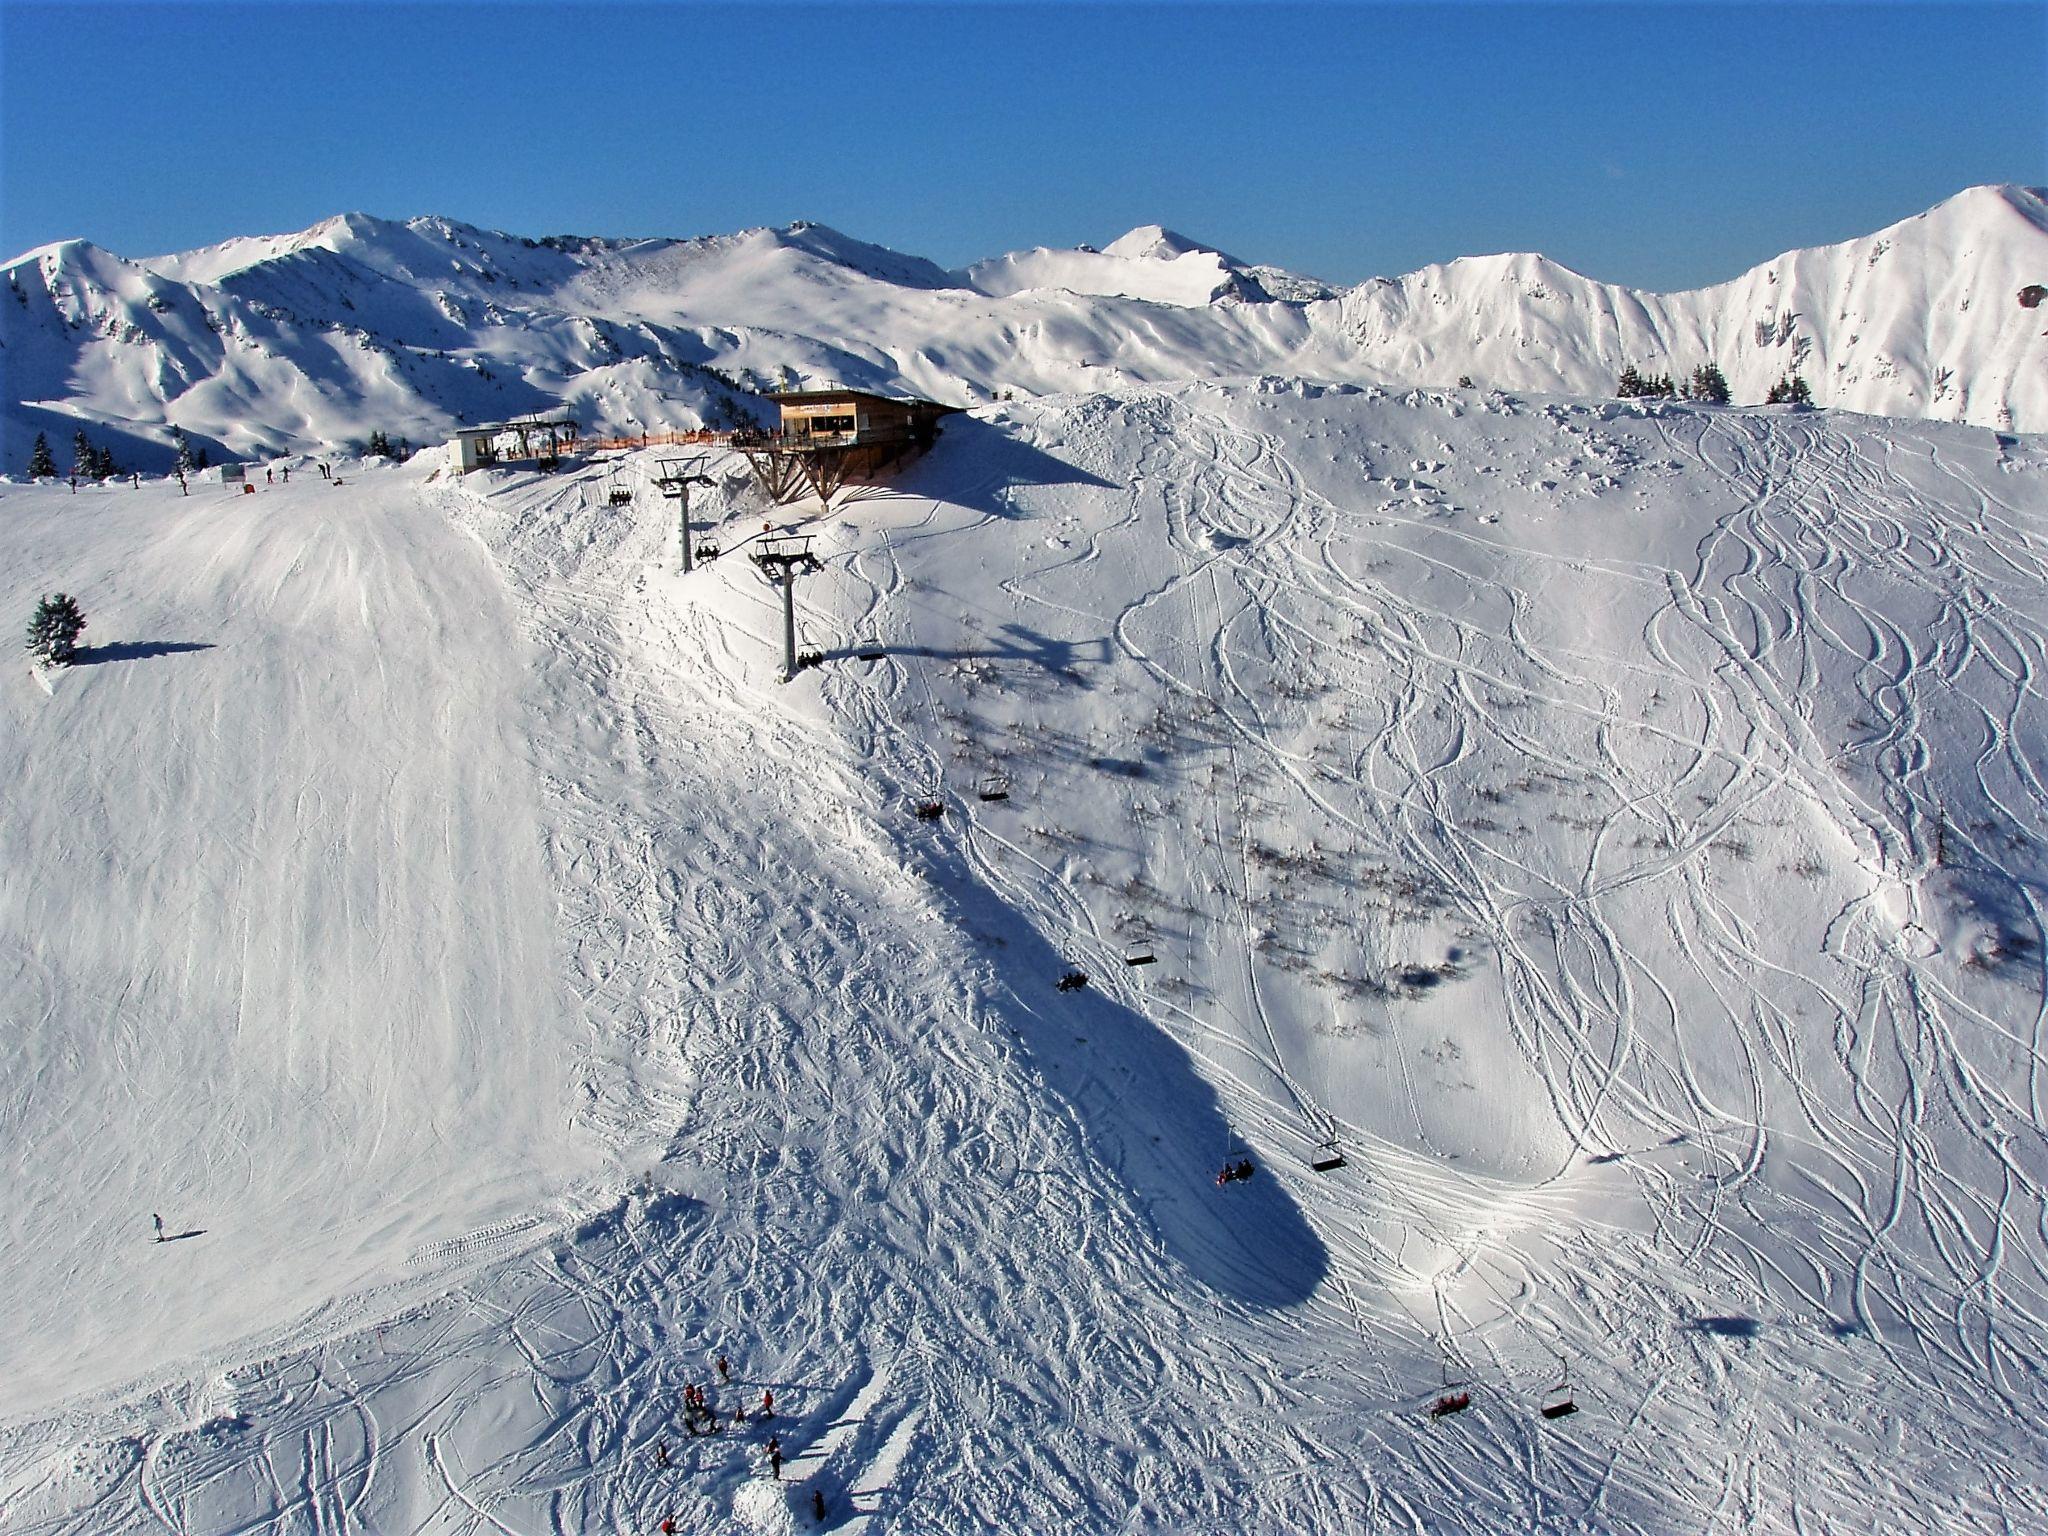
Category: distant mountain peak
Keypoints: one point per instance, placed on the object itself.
(1155, 242)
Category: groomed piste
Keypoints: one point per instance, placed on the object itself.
(1605, 837)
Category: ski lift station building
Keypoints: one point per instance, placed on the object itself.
(844, 417)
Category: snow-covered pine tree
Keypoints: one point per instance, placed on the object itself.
(41, 466)
(1709, 385)
(1631, 384)
(380, 445)
(53, 632)
(1789, 390)
(184, 465)
(82, 456)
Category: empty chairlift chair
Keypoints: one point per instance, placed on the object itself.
(1139, 952)
(993, 786)
(870, 649)
(1558, 1402)
(1327, 1156)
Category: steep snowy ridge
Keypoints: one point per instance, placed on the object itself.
(1613, 827)
(309, 341)
(1919, 319)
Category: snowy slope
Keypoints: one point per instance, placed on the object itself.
(255, 1010)
(309, 341)
(1618, 827)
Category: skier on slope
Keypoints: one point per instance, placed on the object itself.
(775, 1457)
(159, 1227)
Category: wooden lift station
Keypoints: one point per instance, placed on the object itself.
(829, 437)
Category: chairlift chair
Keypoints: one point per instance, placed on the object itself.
(707, 551)
(1452, 1396)
(1073, 981)
(1558, 1402)
(1139, 952)
(870, 650)
(993, 786)
(1327, 1156)
(1450, 1403)
(930, 809)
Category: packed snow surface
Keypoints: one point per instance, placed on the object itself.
(308, 342)
(1617, 829)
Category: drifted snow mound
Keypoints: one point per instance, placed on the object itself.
(310, 341)
(1524, 797)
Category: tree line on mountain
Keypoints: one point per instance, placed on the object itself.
(1708, 385)
(88, 460)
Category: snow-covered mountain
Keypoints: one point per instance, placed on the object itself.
(311, 340)
(1614, 827)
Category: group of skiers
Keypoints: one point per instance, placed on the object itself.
(700, 1417)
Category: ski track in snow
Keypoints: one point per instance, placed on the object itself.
(1595, 850)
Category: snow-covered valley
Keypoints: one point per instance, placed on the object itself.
(1618, 827)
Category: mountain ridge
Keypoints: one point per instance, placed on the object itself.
(308, 340)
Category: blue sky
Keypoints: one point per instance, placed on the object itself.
(1662, 145)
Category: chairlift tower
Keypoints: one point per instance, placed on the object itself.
(674, 482)
(781, 561)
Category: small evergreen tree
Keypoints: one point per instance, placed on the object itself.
(103, 465)
(380, 445)
(184, 465)
(83, 455)
(41, 466)
(1631, 385)
(53, 632)
(1709, 385)
(1789, 390)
